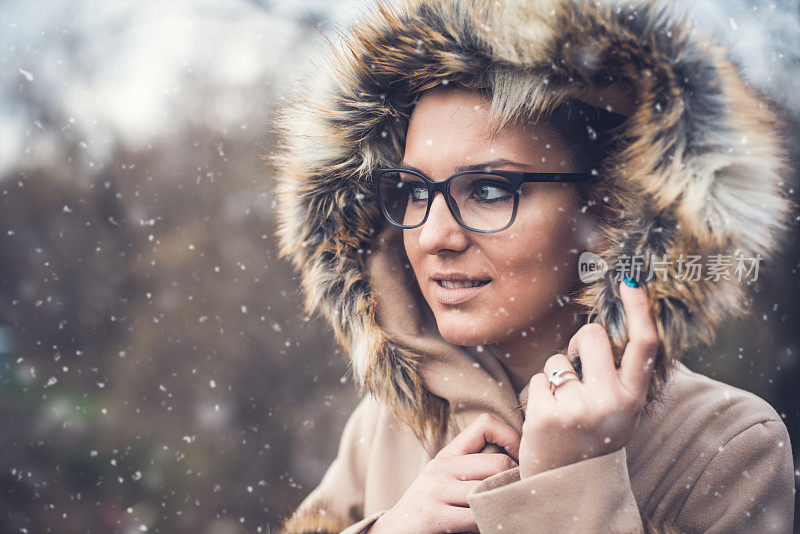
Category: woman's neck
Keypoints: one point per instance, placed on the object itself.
(522, 356)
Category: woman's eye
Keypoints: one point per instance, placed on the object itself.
(417, 192)
(491, 191)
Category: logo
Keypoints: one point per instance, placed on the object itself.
(591, 267)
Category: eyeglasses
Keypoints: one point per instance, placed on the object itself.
(483, 201)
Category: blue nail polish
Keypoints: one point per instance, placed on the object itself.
(630, 281)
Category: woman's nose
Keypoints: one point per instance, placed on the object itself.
(441, 231)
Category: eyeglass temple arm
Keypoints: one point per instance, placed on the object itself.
(559, 177)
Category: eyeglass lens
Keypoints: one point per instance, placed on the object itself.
(479, 200)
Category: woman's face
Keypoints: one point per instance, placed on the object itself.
(532, 264)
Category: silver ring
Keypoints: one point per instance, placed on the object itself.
(556, 378)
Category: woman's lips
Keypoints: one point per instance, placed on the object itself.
(457, 295)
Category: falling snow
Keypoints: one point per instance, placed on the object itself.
(158, 369)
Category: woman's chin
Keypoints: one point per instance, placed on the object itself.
(466, 334)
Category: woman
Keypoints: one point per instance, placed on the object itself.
(534, 399)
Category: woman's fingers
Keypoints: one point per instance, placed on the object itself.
(640, 352)
(558, 362)
(592, 344)
(476, 466)
(458, 519)
(484, 429)
(539, 394)
(454, 492)
(597, 360)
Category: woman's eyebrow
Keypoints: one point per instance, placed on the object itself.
(472, 167)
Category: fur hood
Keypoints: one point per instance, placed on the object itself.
(699, 169)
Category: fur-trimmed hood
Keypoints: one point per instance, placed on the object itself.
(699, 170)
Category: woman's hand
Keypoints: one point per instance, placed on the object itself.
(582, 419)
(437, 500)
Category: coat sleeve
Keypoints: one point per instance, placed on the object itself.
(748, 486)
(577, 498)
(337, 503)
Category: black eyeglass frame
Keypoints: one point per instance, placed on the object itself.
(517, 178)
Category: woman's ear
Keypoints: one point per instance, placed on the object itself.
(596, 242)
(592, 238)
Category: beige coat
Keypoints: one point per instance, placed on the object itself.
(711, 458)
(706, 457)
(698, 170)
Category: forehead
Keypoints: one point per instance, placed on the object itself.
(449, 126)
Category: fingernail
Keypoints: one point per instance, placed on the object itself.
(631, 282)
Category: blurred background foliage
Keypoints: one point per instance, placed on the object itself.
(157, 372)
